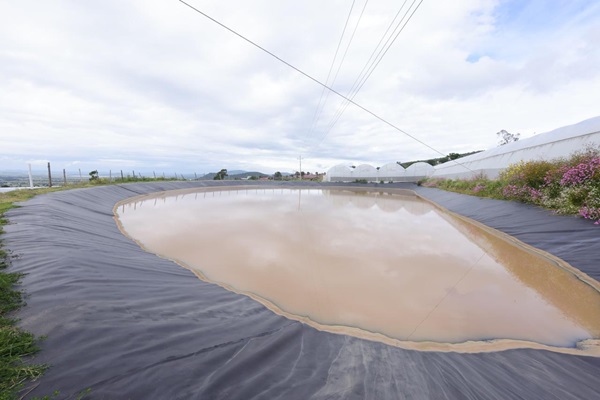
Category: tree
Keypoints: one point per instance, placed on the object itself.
(94, 175)
(507, 137)
(277, 175)
(220, 175)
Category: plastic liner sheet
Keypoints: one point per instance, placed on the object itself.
(131, 325)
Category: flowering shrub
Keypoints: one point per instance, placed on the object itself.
(590, 213)
(523, 193)
(514, 173)
(568, 186)
(530, 173)
(582, 173)
(478, 188)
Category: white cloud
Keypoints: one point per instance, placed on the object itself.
(152, 84)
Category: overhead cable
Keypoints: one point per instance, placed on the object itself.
(344, 57)
(360, 81)
(317, 81)
(318, 109)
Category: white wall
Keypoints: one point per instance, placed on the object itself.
(561, 142)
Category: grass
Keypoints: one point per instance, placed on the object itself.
(16, 344)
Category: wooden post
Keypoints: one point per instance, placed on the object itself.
(122, 175)
(65, 176)
(49, 176)
(80, 177)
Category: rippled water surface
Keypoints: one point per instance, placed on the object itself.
(386, 263)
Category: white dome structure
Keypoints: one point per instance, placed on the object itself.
(392, 172)
(418, 171)
(339, 173)
(366, 172)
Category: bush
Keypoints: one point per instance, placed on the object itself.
(568, 186)
(531, 173)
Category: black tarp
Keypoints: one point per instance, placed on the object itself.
(130, 325)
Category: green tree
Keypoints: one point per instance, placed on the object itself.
(94, 175)
(277, 176)
(220, 175)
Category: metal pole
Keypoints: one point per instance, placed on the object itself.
(30, 178)
(49, 176)
(65, 176)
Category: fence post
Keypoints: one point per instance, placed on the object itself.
(122, 175)
(65, 176)
(110, 175)
(80, 177)
(30, 177)
(49, 176)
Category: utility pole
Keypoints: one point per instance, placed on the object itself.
(300, 158)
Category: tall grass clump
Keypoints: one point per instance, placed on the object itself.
(16, 344)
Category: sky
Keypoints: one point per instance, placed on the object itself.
(150, 85)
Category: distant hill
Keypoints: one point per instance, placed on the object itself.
(235, 174)
(245, 174)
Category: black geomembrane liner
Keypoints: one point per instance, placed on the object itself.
(131, 325)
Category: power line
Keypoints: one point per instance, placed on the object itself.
(317, 81)
(354, 90)
(343, 58)
(318, 109)
(345, 53)
(344, 104)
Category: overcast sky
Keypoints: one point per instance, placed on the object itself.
(153, 85)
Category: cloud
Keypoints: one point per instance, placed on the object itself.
(154, 85)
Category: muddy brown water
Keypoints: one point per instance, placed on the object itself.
(378, 265)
